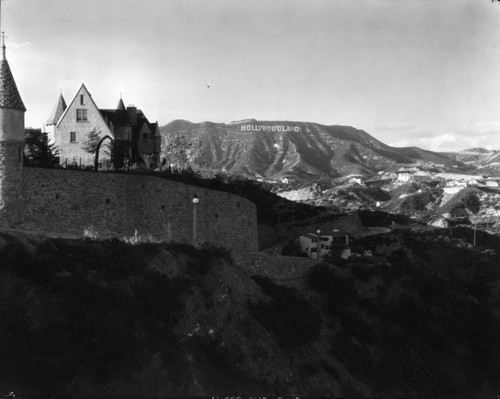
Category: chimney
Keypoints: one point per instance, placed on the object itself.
(132, 114)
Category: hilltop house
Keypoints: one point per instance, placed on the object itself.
(352, 179)
(405, 174)
(456, 184)
(458, 177)
(320, 245)
(133, 135)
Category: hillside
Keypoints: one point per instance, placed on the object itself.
(473, 156)
(484, 161)
(272, 149)
(90, 318)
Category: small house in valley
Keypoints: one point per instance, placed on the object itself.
(320, 245)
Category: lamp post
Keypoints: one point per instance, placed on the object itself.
(318, 232)
(195, 202)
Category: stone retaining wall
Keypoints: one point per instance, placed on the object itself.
(117, 205)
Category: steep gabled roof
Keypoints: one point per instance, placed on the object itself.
(155, 130)
(58, 111)
(9, 95)
(118, 117)
(143, 120)
(92, 104)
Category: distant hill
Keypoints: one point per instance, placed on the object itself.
(485, 161)
(267, 149)
(472, 156)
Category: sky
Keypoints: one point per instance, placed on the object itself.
(409, 72)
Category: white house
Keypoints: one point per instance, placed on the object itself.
(458, 176)
(405, 174)
(133, 135)
(456, 184)
(320, 245)
(354, 178)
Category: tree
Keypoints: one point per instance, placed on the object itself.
(195, 152)
(180, 152)
(91, 141)
(98, 146)
(38, 151)
(92, 145)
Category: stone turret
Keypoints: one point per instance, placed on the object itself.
(11, 147)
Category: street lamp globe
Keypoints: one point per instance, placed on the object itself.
(195, 238)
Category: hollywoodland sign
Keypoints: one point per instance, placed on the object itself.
(269, 128)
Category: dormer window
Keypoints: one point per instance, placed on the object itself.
(81, 115)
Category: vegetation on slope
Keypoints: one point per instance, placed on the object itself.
(85, 318)
(466, 200)
(426, 326)
(79, 314)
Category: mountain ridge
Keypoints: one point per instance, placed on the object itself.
(485, 161)
(271, 149)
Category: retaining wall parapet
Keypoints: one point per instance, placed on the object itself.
(116, 205)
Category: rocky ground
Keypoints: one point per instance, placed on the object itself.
(423, 200)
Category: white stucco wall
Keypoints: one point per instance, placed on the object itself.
(73, 151)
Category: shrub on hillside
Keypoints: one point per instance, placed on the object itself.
(381, 219)
(416, 202)
(466, 199)
(363, 269)
(291, 318)
(472, 202)
(83, 307)
(338, 288)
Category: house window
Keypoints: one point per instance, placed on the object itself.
(81, 115)
(81, 100)
(144, 137)
(72, 137)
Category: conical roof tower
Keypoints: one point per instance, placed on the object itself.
(12, 112)
(121, 113)
(121, 105)
(57, 111)
(9, 95)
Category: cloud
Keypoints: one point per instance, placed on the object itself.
(480, 134)
(392, 128)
